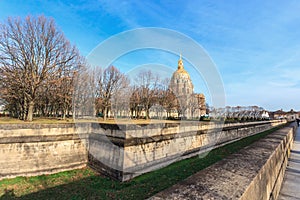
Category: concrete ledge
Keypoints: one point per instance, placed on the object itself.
(255, 172)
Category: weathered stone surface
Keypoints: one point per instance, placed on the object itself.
(255, 172)
(143, 148)
(119, 151)
(27, 150)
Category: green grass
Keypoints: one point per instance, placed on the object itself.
(86, 184)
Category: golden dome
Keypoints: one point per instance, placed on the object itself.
(180, 68)
(181, 83)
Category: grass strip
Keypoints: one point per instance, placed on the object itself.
(86, 184)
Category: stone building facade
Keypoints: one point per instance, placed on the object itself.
(191, 105)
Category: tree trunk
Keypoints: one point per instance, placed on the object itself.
(64, 111)
(74, 113)
(24, 111)
(64, 114)
(30, 111)
(147, 113)
(105, 113)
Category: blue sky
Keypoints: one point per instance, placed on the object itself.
(254, 44)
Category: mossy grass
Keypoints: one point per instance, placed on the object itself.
(86, 184)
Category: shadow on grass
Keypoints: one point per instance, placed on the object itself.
(97, 187)
(88, 188)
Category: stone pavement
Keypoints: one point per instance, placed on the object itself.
(290, 189)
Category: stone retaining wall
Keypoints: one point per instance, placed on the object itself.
(256, 172)
(126, 151)
(34, 149)
(118, 151)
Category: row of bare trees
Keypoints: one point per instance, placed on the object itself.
(117, 94)
(42, 73)
(37, 67)
(149, 90)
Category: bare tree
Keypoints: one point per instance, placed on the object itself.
(169, 101)
(147, 84)
(182, 106)
(135, 102)
(32, 52)
(110, 81)
(84, 94)
(120, 101)
(194, 105)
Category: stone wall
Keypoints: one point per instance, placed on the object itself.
(256, 172)
(267, 183)
(126, 151)
(118, 151)
(34, 149)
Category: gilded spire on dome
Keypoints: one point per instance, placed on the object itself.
(180, 68)
(180, 63)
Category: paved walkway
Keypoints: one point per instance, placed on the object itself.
(291, 184)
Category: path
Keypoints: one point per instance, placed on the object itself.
(291, 184)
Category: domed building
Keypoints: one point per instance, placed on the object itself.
(181, 83)
(191, 105)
